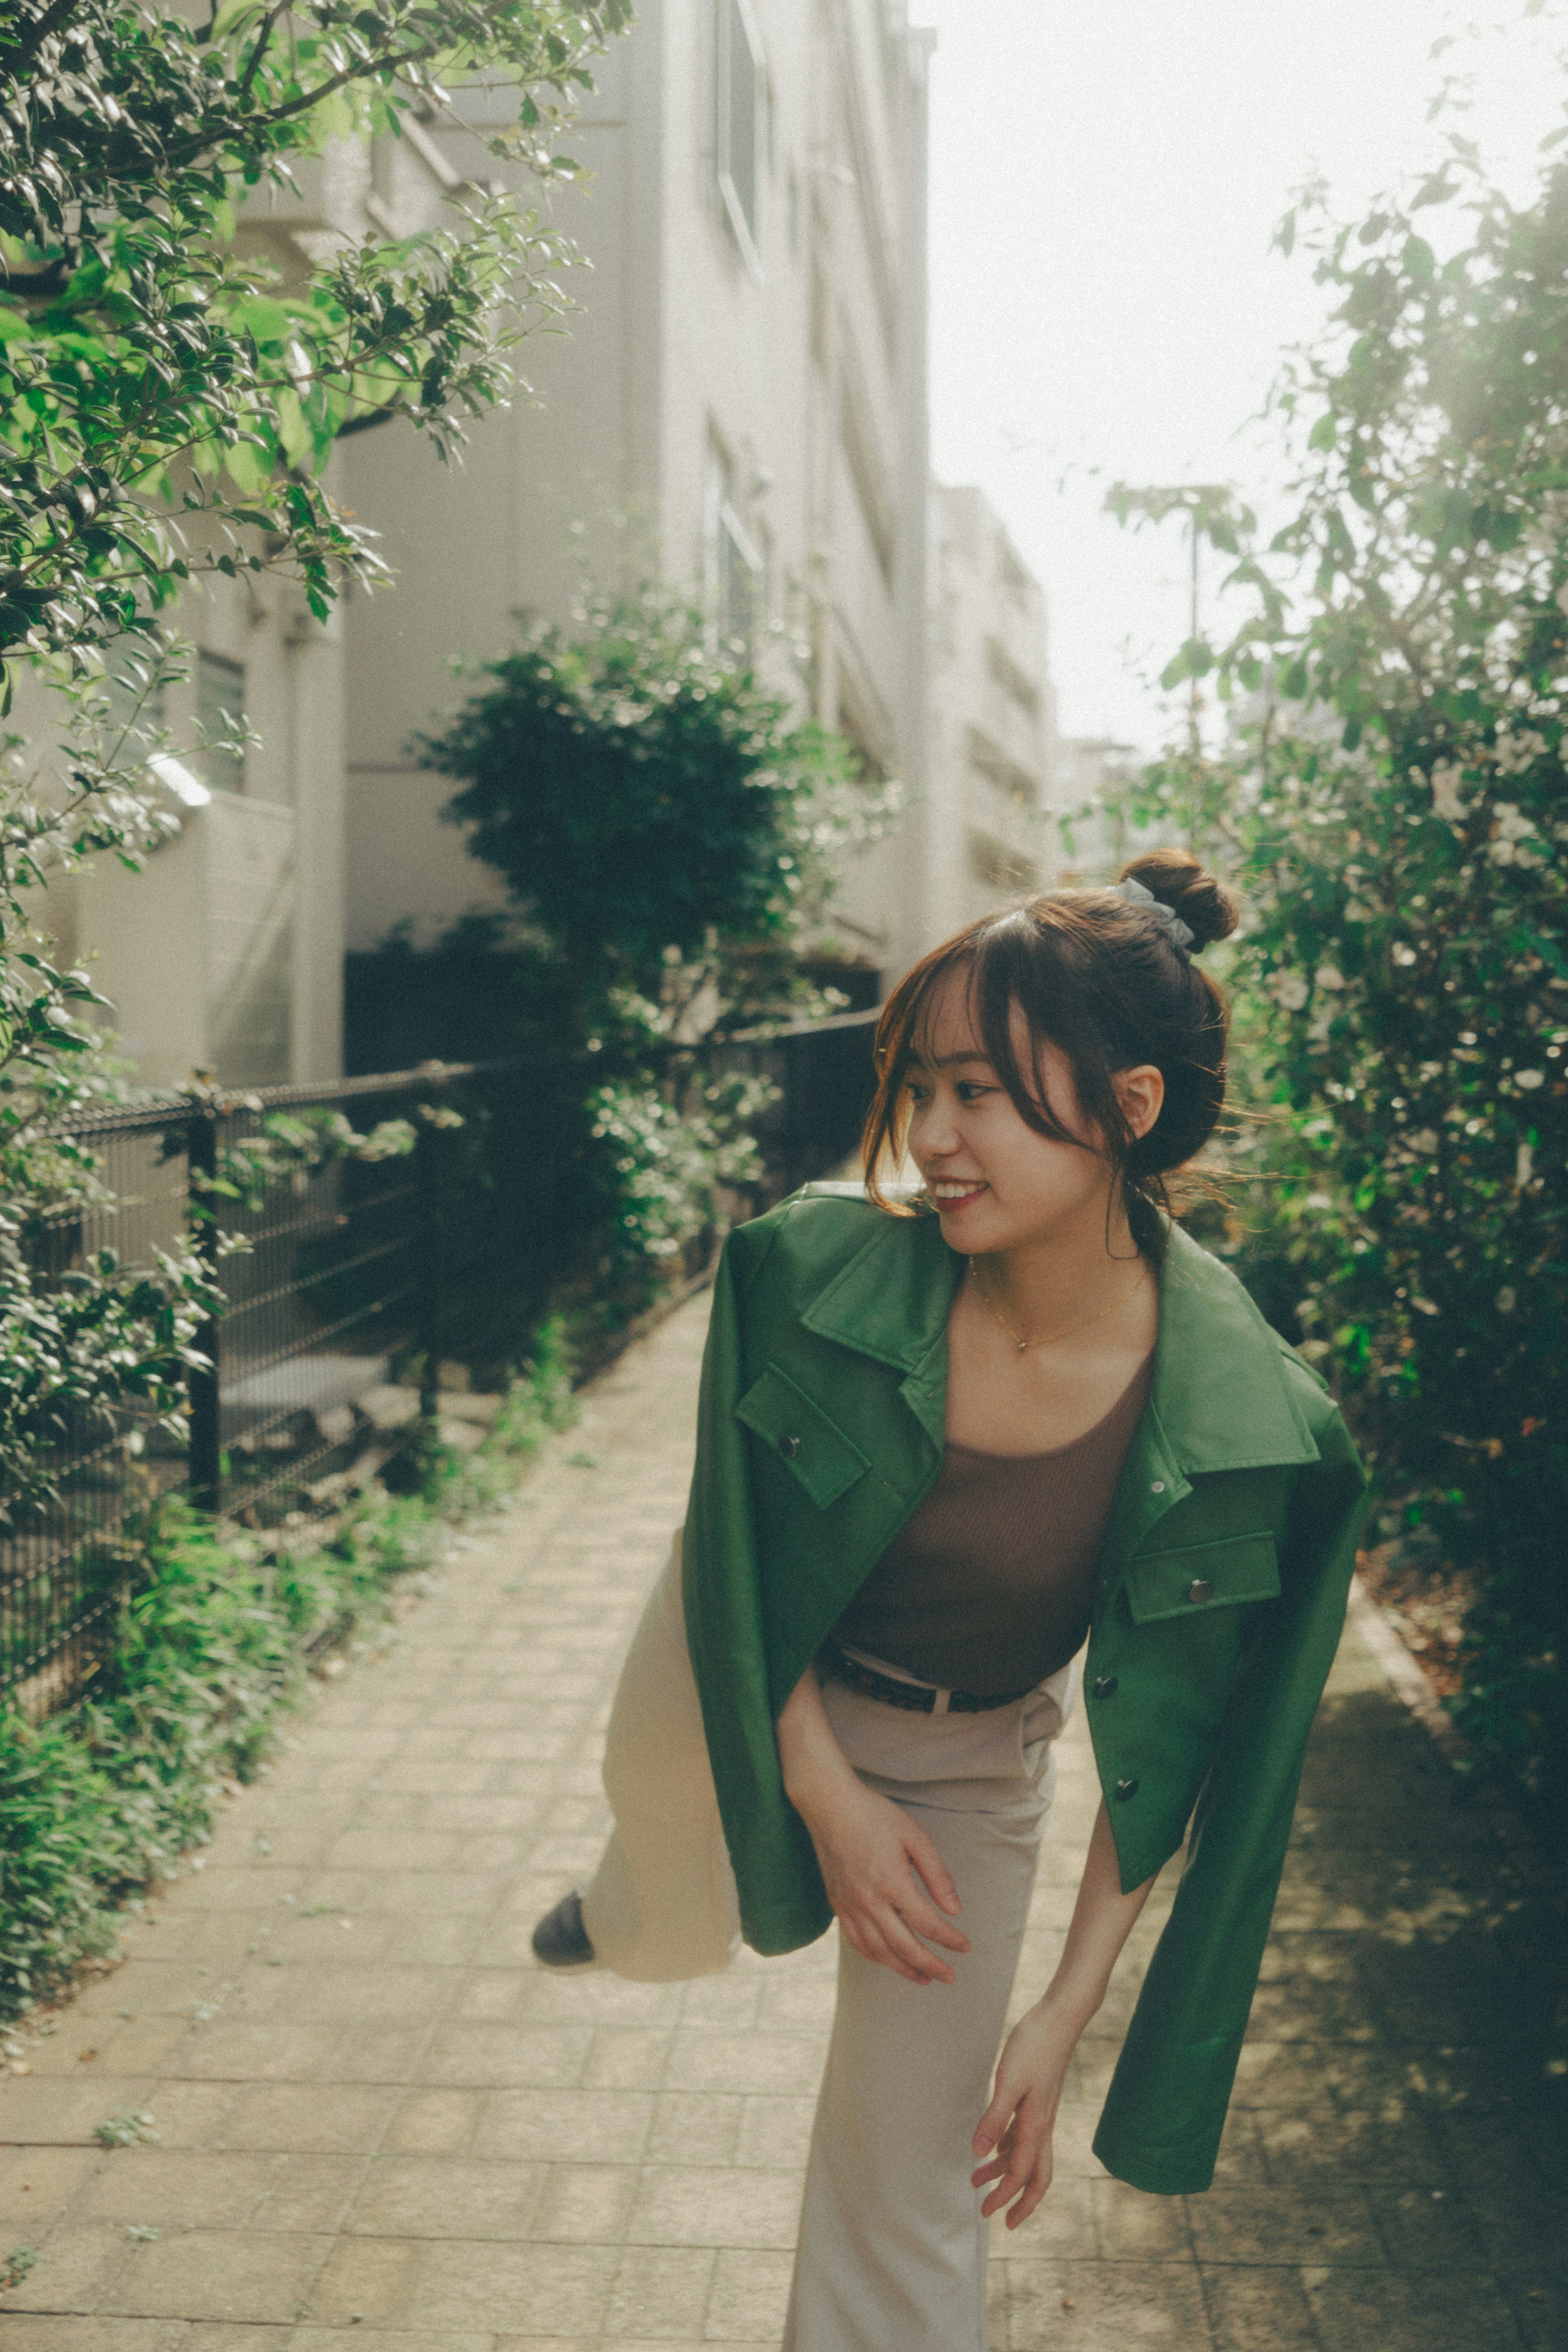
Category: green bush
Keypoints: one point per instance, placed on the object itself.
(1393, 802)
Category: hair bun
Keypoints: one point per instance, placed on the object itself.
(1208, 909)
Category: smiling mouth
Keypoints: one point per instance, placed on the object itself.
(953, 1191)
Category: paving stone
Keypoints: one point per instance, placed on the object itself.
(659, 2293)
(1365, 2312)
(219, 2275)
(697, 2205)
(750, 2291)
(546, 2290)
(1257, 2310)
(1087, 2307)
(441, 2197)
(1314, 2224)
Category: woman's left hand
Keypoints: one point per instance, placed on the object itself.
(1019, 2121)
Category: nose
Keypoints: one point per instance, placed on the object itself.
(933, 1133)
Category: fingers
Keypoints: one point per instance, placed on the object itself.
(865, 1937)
(917, 1912)
(936, 1873)
(1020, 2173)
(907, 1953)
(994, 2122)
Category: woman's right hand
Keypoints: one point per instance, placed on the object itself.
(885, 1880)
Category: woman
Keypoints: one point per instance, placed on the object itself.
(942, 1438)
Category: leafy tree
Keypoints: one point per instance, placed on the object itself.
(642, 798)
(1393, 796)
(166, 409)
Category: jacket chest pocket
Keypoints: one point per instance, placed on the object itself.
(1198, 1577)
(814, 1449)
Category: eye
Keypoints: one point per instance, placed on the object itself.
(970, 1091)
(916, 1090)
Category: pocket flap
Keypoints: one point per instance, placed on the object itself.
(799, 1432)
(1203, 1576)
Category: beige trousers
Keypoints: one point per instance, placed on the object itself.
(892, 2249)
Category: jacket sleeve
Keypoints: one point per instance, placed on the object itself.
(1162, 2122)
(783, 1903)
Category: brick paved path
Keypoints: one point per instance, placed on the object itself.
(379, 2124)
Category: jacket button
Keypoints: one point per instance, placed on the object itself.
(1125, 1789)
(1158, 1486)
(1105, 1687)
(1200, 1589)
(788, 1447)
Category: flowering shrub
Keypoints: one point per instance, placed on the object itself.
(1393, 802)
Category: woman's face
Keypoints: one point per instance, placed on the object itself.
(996, 1183)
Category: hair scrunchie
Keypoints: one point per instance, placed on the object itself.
(1179, 934)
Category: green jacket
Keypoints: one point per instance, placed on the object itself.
(1219, 1605)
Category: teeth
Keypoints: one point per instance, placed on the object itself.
(954, 1191)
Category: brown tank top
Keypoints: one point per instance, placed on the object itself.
(988, 1586)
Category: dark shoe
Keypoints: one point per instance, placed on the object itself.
(560, 1939)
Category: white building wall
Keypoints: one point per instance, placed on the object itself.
(795, 372)
(994, 765)
(224, 952)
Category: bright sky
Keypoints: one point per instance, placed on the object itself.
(1106, 178)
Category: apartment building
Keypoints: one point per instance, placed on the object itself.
(225, 952)
(994, 790)
(737, 410)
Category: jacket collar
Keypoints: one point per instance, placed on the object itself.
(1220, 1399)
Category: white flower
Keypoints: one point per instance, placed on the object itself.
(1402, 954)
(1328, 975)
(1530, 1079)
(1424, 1139)
(1447, 778)
(1512, 824)
(1515, 753)
(1289, 991)
(1507, 1300)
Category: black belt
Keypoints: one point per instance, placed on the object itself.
(918, 1697)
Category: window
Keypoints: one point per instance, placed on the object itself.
(739, 92)
(220, 714)
(732, 560)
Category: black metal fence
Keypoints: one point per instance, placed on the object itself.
(359, 1280)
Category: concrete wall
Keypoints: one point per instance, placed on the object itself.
(792, 363)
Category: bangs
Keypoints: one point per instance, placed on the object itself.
(999, 960)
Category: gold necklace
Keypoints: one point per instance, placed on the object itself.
(1051, 1338)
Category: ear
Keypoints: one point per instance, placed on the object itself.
(1140, 1091)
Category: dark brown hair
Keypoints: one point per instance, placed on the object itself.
(1103, 978)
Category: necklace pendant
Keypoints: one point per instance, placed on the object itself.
(1023, 1347)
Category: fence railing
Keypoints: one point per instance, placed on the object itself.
(359, 1280)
